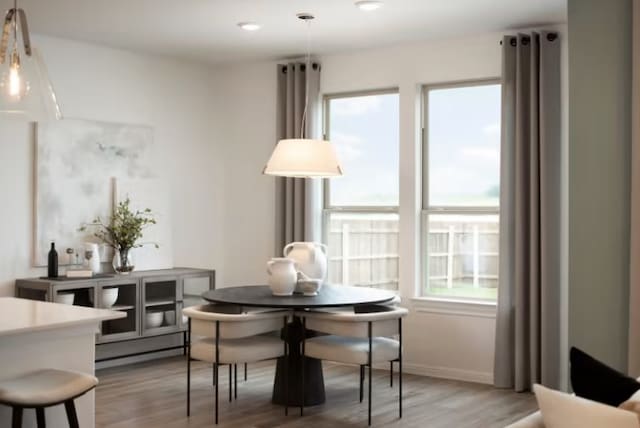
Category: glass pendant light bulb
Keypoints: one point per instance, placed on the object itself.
(17, 87)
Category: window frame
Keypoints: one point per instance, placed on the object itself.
(426, 209)
(326, 191)
(327, 208)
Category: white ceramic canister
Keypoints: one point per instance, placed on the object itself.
(310, 258)
(282, 276)
(94, 263)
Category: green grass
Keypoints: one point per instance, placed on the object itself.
(464, 291)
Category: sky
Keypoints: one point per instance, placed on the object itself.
(365, 132)
(463, 147)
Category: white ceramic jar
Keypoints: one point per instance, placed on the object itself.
(310, 258)
(282, 276)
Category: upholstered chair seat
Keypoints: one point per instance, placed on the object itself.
(351, 350)
(233, 351)
(45, 388)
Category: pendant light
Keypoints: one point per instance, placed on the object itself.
(25, 89)
(304, 157)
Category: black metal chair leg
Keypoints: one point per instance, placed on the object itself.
(184, 343)
(370, 365)
(72, 416)
(235, 381)
(189, 375)
(302, 358)
(230, 383)
(361, 383)
(400, 366)
(245, 372)
(217, 371)
(391, 374)
(16, 417)
(40, 417)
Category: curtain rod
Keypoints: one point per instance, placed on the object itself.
(525, 40)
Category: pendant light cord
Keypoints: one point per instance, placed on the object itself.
(306, 82)
(15, 25)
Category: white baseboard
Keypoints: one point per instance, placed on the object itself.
(450, 373)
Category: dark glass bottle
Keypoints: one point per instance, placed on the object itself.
(52, 264)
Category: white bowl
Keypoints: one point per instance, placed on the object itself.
(109, 297)
(65, 298)
(310, 287)
(154, 319)
(170, 317)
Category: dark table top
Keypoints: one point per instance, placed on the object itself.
(328, 296)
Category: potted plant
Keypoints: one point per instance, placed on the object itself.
(122, 233)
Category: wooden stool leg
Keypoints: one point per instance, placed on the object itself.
(16, 417)
(71, 414)
(40, 417)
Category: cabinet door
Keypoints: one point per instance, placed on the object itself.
(119, 295)
(161, 305)
(192, 288)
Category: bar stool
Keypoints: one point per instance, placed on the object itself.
(45, 388)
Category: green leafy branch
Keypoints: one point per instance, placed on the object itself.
(124, 228)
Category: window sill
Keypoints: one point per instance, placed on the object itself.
(468, 308)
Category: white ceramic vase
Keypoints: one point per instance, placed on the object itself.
(94, 262)
(282, 276)
(310, 258)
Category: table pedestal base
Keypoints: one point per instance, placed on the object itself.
(313, 379)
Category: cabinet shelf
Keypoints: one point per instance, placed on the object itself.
(122, 307)
(152, 303)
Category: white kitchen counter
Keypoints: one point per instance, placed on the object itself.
(35, 335)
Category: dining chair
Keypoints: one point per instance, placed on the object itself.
(361, 338)
(222, 335)
(395, 302)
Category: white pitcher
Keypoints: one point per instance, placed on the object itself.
(282, 276)
(310, 258)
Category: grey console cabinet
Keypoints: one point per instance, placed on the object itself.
(153, 300)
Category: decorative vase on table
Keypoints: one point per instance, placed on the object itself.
(123, 232)
(282, 276)
(311, 260)
(92, 256)
(123, 261)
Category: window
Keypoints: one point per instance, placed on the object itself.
(461, 188)
(361, 208)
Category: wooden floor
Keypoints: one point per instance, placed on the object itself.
(153, 394)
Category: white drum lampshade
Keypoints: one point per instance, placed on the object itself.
(304, 158)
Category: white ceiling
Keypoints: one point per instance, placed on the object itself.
(206, 31)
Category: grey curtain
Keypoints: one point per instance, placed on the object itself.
(528, 314)
(634, 268)
(297, 207)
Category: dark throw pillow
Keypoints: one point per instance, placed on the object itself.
(596, 381)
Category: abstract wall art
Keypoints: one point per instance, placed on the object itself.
(77, 163)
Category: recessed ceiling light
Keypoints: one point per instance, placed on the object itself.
(369, 5)
(249, 26)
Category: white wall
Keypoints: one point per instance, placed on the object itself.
(180, 101)
(441, 340)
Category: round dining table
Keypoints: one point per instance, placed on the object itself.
(329, 296)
